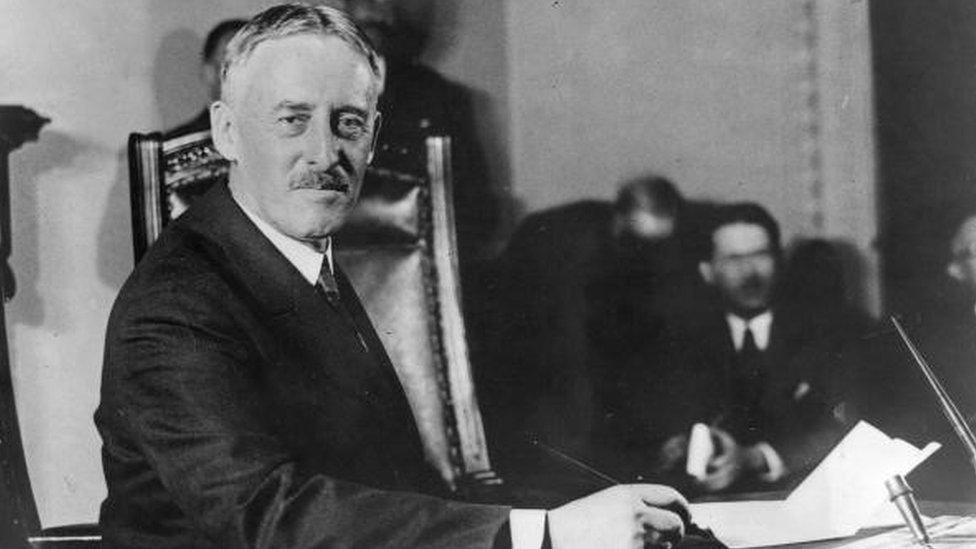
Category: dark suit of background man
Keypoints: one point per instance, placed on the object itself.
(751, 367)
(211, 59)
(579, 285)
(246, 400)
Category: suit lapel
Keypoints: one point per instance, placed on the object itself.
(779, 335)
(383, 367)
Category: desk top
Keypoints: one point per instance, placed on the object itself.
(929, 508)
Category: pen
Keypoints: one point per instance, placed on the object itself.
(579, 464)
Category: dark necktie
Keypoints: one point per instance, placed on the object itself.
(378, 380)
(750, 381)
(749, 349)
(329, 287)
(328, 284)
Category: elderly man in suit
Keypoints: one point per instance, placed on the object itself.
(246, 400)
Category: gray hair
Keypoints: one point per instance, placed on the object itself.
(294, 19)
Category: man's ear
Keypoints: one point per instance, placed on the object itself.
(706, 272)
(223, 130)
(377, 125)
(955, 271)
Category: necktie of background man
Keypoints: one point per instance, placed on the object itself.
(748, 380)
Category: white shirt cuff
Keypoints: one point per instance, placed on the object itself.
(775, 468)
(528, 528)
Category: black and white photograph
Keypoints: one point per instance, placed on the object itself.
(499, 274)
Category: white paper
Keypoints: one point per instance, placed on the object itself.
(840, 496)
(700, 450)
(755, 523)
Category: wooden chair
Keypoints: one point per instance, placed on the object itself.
(164, 178)
(399, 250)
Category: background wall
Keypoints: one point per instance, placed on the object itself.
(758, 99)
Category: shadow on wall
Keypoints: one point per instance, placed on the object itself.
(439, 21)
(115, 256)
(444, 20)
(490, 133)
(179, 96)
(176, 78)
(29, 167)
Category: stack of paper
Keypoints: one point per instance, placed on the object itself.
(843, 494)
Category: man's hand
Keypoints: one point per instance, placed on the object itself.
(730, 462)
(625, 516)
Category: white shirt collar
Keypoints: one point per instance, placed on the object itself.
(759, 325)
(307, 260)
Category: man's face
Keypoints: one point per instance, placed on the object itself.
(963, 265)
(742, 267)
(299, 131)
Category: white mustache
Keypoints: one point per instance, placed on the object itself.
(327, 180)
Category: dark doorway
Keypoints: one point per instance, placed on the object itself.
(925, 85)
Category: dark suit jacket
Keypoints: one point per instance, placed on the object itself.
(573, 302)
(536, 382)
(239, 409)
(687, 378)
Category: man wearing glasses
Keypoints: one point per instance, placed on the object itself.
(753, 370)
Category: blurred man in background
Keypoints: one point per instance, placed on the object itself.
(751, 367)
(211, 59)
(579, 286)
